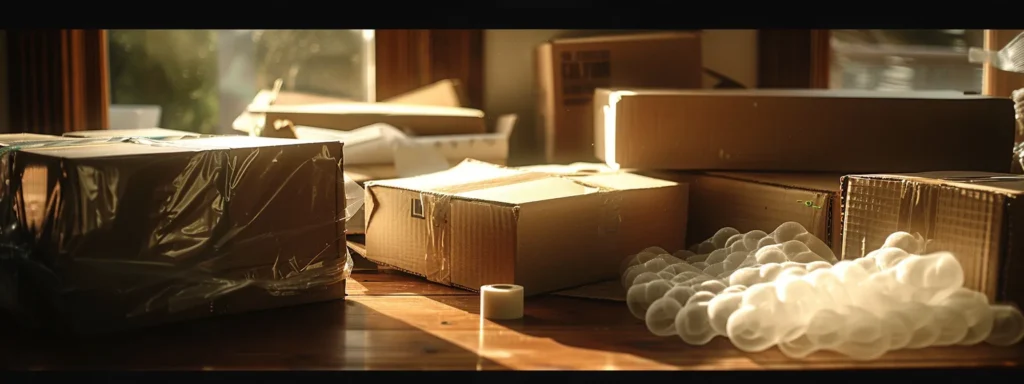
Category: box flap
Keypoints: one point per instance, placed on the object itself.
(477, 180)
(444, 93)
(466, 172)
(622, 181)
(569, 169)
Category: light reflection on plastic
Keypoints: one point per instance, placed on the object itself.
(33, 186)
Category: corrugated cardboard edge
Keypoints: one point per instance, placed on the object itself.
(834, 211)
(844, 187)
(1006, 260)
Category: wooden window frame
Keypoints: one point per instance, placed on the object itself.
(796, 59)
(407, 59)
(994, 81)
(57, 82)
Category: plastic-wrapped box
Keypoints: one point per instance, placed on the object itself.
(102, 235)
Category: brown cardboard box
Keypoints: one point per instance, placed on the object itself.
(978, 216)
(803, 130)
(749, 201)
(128, 234)
(479, 224)
(569, 70)
(153, 133)
(417, 119)
(444, 93)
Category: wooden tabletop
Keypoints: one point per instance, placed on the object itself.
(396, 321)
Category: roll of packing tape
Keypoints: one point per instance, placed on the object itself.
(501, 301)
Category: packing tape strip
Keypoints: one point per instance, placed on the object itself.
(354, 197)
(501, 302)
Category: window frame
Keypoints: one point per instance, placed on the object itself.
(994, 81)
(801, 59)
(407, 59)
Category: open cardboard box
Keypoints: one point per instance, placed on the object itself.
(436, 109)
(480, 223)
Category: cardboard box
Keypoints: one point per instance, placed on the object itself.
(803, 130)
(749, 201)
(149, 133)
(129, 234)
(444, 93)
(568, 71)
(978, 216)
(479, 224)
(416, 119)
(375, 144)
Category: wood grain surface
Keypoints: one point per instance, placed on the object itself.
(396, 321)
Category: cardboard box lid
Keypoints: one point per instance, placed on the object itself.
(476, 180)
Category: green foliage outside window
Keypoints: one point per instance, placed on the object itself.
(178, 70)
(175, 69)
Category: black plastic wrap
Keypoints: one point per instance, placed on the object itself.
(106, 234)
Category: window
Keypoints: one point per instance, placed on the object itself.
(905, 59)
(201, 80)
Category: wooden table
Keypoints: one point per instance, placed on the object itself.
(396, 321)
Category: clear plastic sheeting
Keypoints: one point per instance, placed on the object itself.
(1018, 149)
(894, 298)
(107, 234)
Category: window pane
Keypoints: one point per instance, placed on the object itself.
(201, 80)
(905, 59)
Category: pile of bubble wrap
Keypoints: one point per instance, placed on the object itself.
(787, 289)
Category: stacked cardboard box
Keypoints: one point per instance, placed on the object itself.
(748, 159)
(570, 69)
(757, 158)
(106, 234)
